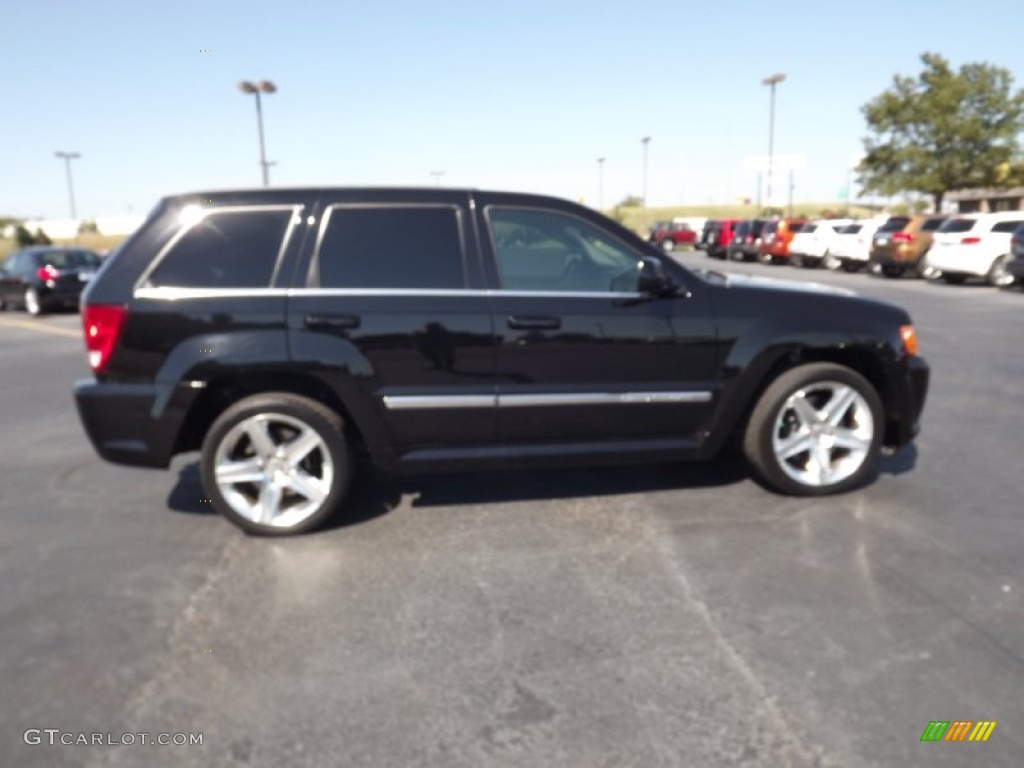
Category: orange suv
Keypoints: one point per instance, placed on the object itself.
(901, 243)
(775, 239)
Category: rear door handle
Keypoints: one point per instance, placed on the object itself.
(535, 323)
(332, 321)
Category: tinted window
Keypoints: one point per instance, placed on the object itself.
(770, 228)
(230, 249)
(808, 228)
(1006, 226)
(895, 224)
(548, 251)
(930, 225)
(392, 247)
(957, 225)
(757, 226)
(850, 229)
(65, 259)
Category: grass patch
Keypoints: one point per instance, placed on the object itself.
(93, 242)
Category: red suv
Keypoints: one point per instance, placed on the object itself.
(718, 234)
(668, 234)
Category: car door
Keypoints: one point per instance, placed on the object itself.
(581, 354)
(392, 313)
(9, 278)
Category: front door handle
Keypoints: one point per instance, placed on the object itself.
(534, 323)
(332, 321)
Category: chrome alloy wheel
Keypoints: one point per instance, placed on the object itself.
(823, 433)
(274, 470)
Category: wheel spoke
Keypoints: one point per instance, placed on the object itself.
(850, 440)
(837, 407)
(307, 485)
(270, 501)
(244, 471)
(822, 460)
(808, 413)
(299, 448)
(795, 444)
(259, 434)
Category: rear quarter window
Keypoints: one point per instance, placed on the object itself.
(391, 247)
(895, 224)
(225, 249)
(1007, 226)
(930, 225)
(808, 228)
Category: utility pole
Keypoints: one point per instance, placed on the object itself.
(771, 81)
(645, 141)
(264, 86)
(600, 183)
(68, 157)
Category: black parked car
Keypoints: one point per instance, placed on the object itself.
(1015, 266)
(44, 277)
(746, 243)
(281, 332)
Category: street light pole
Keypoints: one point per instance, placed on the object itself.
(771, 81)
(264, 86)
(600, 183)
(645, 141)
(437, 177)
(68, 157)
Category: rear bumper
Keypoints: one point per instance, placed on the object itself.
(906, 401)
(126, 424)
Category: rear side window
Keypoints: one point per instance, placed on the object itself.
(957, 225)
(808, 228)
(930, 225)
(850, 229)
(1006, 226)
(226, 249)
(392, 247)
(895, 224)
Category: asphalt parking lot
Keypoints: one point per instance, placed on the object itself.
(673, 615)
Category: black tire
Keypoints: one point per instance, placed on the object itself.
(766, 258)
(851, 266)
(757, 439)
(668, 245)
(893, 270)
(997, 275)
(954, 279)
(328, 427)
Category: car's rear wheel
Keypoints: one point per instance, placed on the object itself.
(852, 266)
(998, 275)
(831, 262)
(816, 430)
(893, 270)
(276, 463)
(33, 304)
(765, 258)
(668, 245)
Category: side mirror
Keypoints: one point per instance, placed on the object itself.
(651, 277)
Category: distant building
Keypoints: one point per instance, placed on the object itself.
(987, 200)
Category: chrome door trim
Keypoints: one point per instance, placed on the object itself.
(175, 293)
(429, 402)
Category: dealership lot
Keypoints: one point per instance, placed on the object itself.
(663, 615)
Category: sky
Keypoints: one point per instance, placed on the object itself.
(523, 95)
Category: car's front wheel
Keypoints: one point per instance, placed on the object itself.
(276, 463)
(668, 245)
(816, 430)
(893, 270)
(998, 275)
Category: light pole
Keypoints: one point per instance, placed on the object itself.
(645, 141)
(437, 177)
(68, 157)
(771, 81)
(600, 183)
(264, 86)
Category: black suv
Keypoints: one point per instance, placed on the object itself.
(746, 243)
(282, 332)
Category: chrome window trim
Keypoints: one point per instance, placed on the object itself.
(430, 402)
(175, 293)
(313, 273)
(295, 208)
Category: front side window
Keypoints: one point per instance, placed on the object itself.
(550, 251)
(930, 225)
(225, 249)
(808, 228)
(1006, 226)
(392, 247)
(957, 225)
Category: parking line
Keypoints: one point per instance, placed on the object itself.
(40, 327)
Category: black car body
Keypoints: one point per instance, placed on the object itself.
(746, 243)
(1015, 266)
(46, 277)
(446, 328)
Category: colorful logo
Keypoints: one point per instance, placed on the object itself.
(958, 730)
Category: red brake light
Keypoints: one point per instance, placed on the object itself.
(970, 240)
(47, 273)
(902, 237)
(102, 324)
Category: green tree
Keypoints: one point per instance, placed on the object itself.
(943, 131)
(41, 238)
(23, 237)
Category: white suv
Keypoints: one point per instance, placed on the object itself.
(814, 241)
(851, 249)
(974, 245)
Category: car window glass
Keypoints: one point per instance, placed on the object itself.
(957, 225)
(770, 228)
(231, 249)
(931, 225)
(895, 224)
(70, 259)
(549, 251)
(1006, 226)
(808, 228)
(392, 247)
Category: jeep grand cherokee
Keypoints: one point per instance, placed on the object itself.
(280, 332)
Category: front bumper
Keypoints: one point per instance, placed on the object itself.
(127, 423)
(905, 403)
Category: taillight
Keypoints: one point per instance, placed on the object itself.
(970, 240)
(102, 324)
(902, 237)
(47, 273)
(909, 337)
